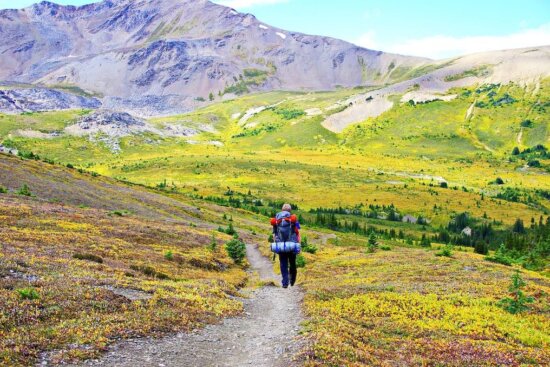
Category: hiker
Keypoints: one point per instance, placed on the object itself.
(286, 230)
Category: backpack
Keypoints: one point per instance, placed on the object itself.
(285, 227)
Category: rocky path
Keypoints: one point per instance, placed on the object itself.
(259, 337)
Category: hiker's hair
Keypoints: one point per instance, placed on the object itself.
(287, 207)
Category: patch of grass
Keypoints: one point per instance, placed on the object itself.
(88, 257)
(478, 71)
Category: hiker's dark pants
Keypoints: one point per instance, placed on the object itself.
(284, 260)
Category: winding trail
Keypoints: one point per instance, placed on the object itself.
(257, 338)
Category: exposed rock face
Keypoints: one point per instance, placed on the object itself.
(130, 51)
(41, 99)
(115, 124)
(119, 120)
(109, 126)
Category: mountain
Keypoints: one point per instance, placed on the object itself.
(527, 67)
(170, 55)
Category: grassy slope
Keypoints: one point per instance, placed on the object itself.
(404, 304)
(408, 307)
(78, 310)
(443, 129)
(380, 161)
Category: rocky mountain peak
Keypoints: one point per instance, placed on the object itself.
(180, 51)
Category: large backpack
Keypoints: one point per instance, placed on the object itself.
(285, 227)
(285, 240)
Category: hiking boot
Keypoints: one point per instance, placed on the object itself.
(292, 281)
(285, 286)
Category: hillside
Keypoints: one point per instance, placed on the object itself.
(163, 56)
(80, 275)
(401, 157)
(92, 255)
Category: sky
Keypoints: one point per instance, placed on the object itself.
(431, 28)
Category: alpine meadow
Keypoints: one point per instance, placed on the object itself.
(149, 147)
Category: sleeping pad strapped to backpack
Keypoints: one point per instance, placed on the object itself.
(285, 233)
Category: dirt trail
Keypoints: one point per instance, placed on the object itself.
(258, 338)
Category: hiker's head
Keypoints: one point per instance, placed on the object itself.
(287, 207)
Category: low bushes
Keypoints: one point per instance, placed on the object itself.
(88, 257)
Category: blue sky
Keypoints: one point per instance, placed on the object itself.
(431, 28)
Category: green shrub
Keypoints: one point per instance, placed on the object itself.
(425, 241)
(499, 181)
(289, 114)
(230, 230)
(236, 250)
(306, 247)
(481, 247)
(300, 261)
(28, 293)
(119, 213)
(149, 271)
(88, 257)
(446, 251)
(500, 257)
(24, 191)
(253, 73)
(70, 166)
(518, 301)
(213, 243)
(169, 255)
(28, 155)
(372, 242)
(385, 248)
(3, 190)
(527, 123)
(238, 89)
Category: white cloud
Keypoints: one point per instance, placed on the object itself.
(367, 40)
(248, 3)
(441, 46)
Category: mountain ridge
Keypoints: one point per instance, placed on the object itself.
(127, 50)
